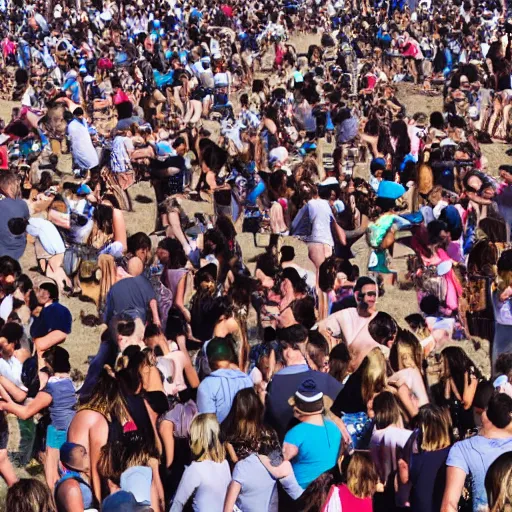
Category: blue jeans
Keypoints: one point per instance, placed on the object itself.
(107, 354)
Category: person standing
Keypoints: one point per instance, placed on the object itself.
(473, 456)
(279, 413)
(14, 215)
(53, 324)
(84, 153)
(217, 391)
(208, 477)
(314, 444)
(351, 324)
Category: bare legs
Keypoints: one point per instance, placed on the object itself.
(317, 254)
(6, 469)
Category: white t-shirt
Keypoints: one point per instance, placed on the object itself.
(11, 370)
(120, 159)
(320, 215)
(6, 307)
(82, 148)
(48, 235)
(26, 99)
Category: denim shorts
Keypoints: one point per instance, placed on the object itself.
(55, 438)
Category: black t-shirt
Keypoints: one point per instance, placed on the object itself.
(204, 316)
(350, 399)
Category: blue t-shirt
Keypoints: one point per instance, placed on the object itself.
(474, 456)
(62, 408)
(318, 449)
(10, 244)
(54, 317)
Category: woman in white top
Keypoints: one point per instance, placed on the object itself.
(321, 239)
(208, 477)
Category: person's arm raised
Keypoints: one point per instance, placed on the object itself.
(49, 340)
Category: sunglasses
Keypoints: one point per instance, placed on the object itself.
(369, 294)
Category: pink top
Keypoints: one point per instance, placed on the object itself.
(340, 498)
(454, 288)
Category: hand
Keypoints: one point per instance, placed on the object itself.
(347, 438)
(403, 471)
(278, 472)
(506, 294)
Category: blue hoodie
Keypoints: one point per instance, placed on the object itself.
(217, 391)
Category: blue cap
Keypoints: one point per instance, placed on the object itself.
(65, 452)
(377, 164)
(163, 148)
(121, 501)
(84, 189)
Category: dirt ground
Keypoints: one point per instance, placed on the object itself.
(83, 341)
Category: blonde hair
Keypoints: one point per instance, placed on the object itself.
(498, 484)
(435, 425)
(406, 343)
(362, 477)
(204, 438)
(374, 378)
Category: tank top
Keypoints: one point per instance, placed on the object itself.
(85, 488)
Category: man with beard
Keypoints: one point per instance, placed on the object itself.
(53, 324)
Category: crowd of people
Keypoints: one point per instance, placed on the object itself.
(271, 383)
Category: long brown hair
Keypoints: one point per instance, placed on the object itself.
(435, 426)
(498, 484)
(30, 495)
(106, 397)
(244, 422)
(316, 493)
